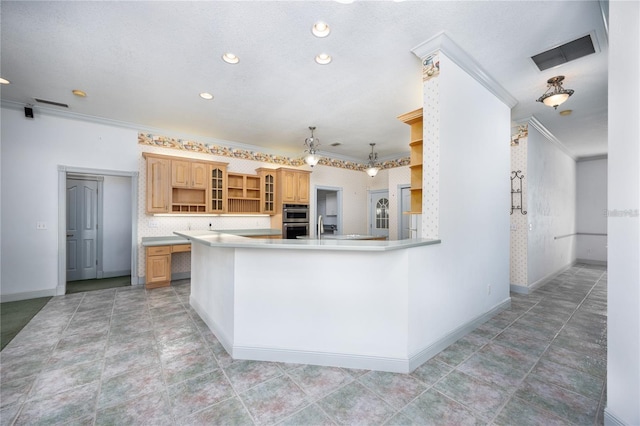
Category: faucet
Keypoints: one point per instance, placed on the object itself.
(320, 227)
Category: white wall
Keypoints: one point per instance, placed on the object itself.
(623, 330)
(551, 208)
(474, 210)
(32, 150)
(354, 186)
(591, 218)
(116, 239)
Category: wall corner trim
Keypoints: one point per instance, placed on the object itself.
(445, 44)
(14, 297)
(610, 419)
(425, 354)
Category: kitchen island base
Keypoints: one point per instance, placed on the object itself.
(335, 306)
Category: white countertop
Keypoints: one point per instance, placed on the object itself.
(174, 239)
(221, 239)
(329, 236)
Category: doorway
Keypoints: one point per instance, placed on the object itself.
(97, 243)
(379, 212)
(328, 202)
(404, 221)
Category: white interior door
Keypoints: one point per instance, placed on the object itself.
(82, 229)
(379, 213)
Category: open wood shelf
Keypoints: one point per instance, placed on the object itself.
(414, 119)
(243, 205)
(188, 200)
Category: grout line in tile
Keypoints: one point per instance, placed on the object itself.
(233, 389)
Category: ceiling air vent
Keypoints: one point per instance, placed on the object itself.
(43, 101)
(575, 49)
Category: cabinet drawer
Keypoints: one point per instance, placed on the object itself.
(180, 248)
(158, 250)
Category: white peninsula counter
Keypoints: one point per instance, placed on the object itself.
(328, 302)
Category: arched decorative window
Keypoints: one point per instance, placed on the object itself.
(382, 214)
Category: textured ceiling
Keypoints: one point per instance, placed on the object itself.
(146, 62)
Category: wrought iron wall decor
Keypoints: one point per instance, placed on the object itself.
(516, 192)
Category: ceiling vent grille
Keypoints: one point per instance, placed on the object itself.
(44, 101)
(575, 49)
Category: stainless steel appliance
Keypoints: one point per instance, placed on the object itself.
(294, 230)
(295, 220)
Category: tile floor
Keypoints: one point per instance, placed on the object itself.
(129, 356)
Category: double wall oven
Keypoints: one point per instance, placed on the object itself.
(295, 220)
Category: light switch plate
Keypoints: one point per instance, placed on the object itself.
(41, 225)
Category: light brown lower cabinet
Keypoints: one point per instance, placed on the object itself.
(159, 264)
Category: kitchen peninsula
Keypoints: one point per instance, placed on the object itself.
(328, 302)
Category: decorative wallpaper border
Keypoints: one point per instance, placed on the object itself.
(223, 151)
(522, 132)
(431, 66)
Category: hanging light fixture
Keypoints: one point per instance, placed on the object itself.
(555, 94)
(312, 144)
(372, 168)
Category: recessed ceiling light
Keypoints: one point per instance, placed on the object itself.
(79, 93)
(230, 58)
(4, 81)
(566, 112)
(206, 95)
(323, 59)
(320, 29)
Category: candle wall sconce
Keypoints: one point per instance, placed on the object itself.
(516, 192)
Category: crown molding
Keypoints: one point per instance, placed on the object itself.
(593, 158)
(18, 106)
(536, 124)
(442, 42)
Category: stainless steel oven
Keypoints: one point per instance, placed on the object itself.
(293, 230)
(295, 220)
(295, 213)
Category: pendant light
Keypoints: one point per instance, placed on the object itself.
(312, 144)
(372, 168)
(555, 94)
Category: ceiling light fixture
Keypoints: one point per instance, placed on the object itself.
(206, 95)
(312, 144)
(323, 59)
(4, 81)
(79, 93)
(230, 58)
(555, 94)
(372, 168)
(320, 29)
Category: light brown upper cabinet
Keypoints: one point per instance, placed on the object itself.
(158, 185)
(293, 186)
(268, 193)
(189, 174)
(218, 188)
(181, 185)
